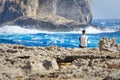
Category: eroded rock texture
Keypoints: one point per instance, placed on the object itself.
(111, 44)
(18, 62)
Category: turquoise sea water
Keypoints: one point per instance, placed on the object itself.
(32, 37)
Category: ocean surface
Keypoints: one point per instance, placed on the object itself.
(34, 37)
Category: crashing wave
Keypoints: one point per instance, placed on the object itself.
(20, 30)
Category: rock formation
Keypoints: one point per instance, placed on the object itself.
(18, 62)
(109, 45)
(46, 13)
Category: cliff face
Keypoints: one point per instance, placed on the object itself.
(76, 10)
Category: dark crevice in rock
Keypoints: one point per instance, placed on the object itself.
(23, 57)
(12, 51)
(110, 78)
(47, 64)
(72, 58)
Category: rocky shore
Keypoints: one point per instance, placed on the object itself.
(18, 62)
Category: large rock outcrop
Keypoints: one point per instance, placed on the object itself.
(56, 12)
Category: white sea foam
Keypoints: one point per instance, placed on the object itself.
(95, 30)
(19, 30)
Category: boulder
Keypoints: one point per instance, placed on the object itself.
(109, 45)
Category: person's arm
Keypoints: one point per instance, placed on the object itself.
(80, 39)
(87, 40)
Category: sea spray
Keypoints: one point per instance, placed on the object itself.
(20, 30)
(36, 37)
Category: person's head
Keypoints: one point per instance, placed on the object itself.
(83, 31)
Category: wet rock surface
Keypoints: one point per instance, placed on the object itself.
(18, 62)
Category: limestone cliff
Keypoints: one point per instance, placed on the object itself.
(52, 11)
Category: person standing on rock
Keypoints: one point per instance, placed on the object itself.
(83, 40)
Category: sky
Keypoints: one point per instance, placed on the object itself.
(106, 9)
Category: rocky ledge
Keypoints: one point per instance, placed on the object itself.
(18, 62)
